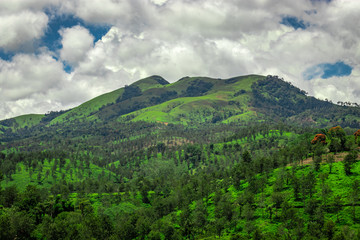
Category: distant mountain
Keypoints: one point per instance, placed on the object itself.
(199, 100)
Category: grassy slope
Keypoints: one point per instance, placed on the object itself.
(86, 110)
(28, 120)
(150, 82)
(23, 121)
(201, 109)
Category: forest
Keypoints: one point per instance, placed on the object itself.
(258, 182)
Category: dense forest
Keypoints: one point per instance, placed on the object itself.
(112, 178)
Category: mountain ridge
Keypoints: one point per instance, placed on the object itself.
(198, 100)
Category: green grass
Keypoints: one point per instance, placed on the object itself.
(23, 121)
(187, 109)
(28, 120)
(148, 83)
(86, 110)
(202, 108)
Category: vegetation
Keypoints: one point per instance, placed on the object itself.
(193, 159)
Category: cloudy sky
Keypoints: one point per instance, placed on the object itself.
(56, 54)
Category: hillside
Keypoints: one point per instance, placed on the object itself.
(250, 157)
(194, 100)
(240, 183)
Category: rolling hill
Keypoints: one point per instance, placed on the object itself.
(200, 158)
(196, 100)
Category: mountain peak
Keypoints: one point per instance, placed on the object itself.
(150, 82)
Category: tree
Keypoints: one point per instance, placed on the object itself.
(193, 154)
(186, 222)
(220, 225)
(317, 161)
(325, 188)
(357, 134)
(349, 159)
(337, 205)
(319, 138)
(246, 156)
(9, 196)
(335, 145)
(337, 134)
(330, 161)
(329, 229)
(354, 197)
(39, 177)
(308, 183)
(247, 212)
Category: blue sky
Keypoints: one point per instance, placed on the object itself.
(52, 39)
(57, 54)
(294, 22)
(328, 70)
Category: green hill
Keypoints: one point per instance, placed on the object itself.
(198, 100)
(250, 157)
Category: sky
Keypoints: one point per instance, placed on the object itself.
(56, 54)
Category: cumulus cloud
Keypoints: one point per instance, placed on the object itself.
(98, 11)
(176, 38)
(35, 84)
(29, 74)
(76, 42)
(159, 2)
(21, 5)
(20, 29)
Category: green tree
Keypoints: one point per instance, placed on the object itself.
(246, 156)
(330, 160)
(317, 161)
(335, 145)
(337, 139)
(354, 197)
(9, 196)
(220, 225)
(329, 229)
(186, 223)
(349, 160)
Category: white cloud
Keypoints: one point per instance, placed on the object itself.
(21, 5)
(19, 30)
(343, 89)
(26, 75)
(98, 11)
(76, 41)
(159, 2)
(213, 38)
(177, 38)
(34, 84)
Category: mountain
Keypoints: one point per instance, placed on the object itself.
(201, 158)
(196, 100)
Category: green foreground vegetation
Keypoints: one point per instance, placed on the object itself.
(251, 184)
(244, 158)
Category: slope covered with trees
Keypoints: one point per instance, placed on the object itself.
(202, 158)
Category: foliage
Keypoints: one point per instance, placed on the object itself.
(319, 138)
(128, 170)
(357, 134)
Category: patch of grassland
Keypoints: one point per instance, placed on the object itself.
(87, 109)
